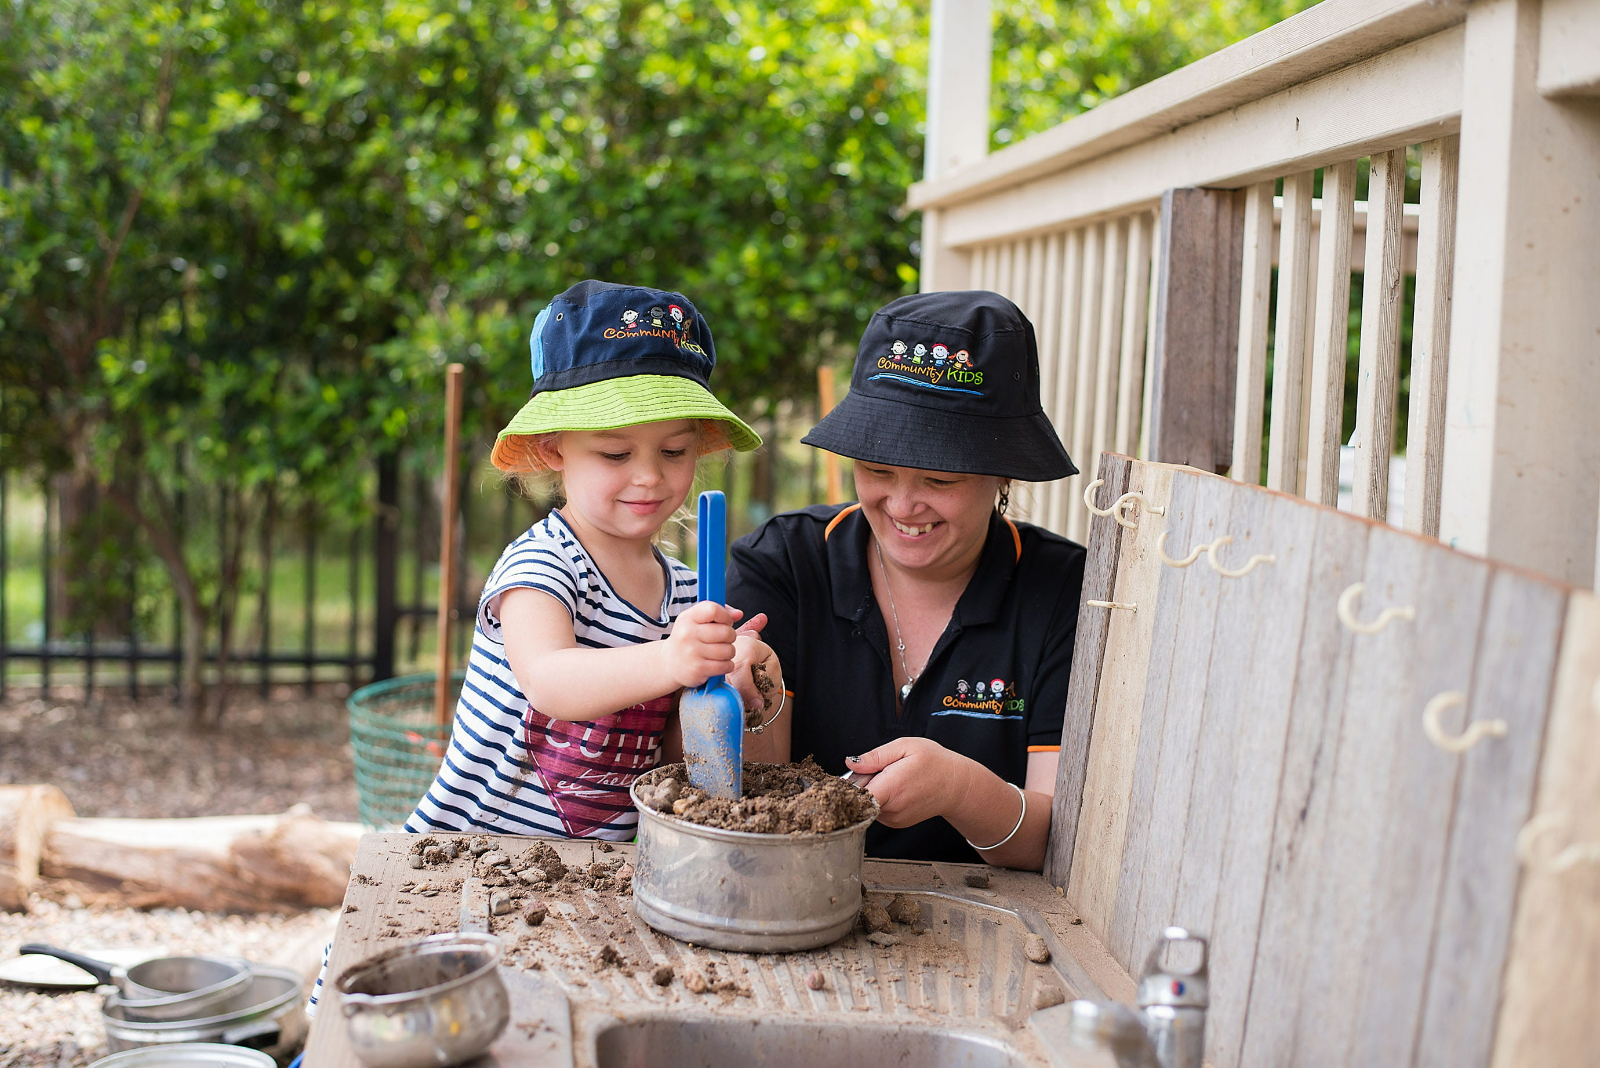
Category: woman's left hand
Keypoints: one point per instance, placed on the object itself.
(915, 779)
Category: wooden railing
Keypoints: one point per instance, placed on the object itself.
(1187, 254)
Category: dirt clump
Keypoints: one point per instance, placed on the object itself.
(905, 909)
(874, 917)
(662, 975)
(756, 717)
(778, 799)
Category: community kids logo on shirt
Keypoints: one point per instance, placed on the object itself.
(933, 365)
(984, 699)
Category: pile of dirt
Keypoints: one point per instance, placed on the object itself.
(778, 799)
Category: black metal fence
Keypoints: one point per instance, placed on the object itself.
(330, 599)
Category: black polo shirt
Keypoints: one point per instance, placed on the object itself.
(1012, 629)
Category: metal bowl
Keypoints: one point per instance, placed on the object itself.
(426, 1004)
(188, 1055)
(270, 1021)
(755, 893)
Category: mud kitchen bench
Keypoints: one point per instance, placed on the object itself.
(1365, 766)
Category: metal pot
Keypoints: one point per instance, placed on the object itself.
(167, 988)
(188, 1055)
(429, 1003)
(272, 1021)
(756, 893)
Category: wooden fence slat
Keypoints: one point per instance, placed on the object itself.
(1062, 404)
(1147, 368)
(1190, 392)
(1108, 355)
(1168, 733)
(1135, 329)
(1330, 333)
(1430, 335)
(1367, 955)
(1049, 336)
(1512, 681)
(1289, 334)
(1377, 379)
(1255, 285)
(1004, 283)
(1239, 761)
(1299, 857)
(1088, 654)
(983, 272)
(1033, 278)
(1142, 581)
(1094, 243)
(1547, 1012)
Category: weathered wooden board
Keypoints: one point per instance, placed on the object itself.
(1512, 682)
(1304, 800)
(1097, 849)
(1547, 1011)
(1088, 652)
(1170, 724)
(1239, 760)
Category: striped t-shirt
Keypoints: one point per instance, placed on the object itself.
(511, 770)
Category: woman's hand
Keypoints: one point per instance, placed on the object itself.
(915, 779)
(701, 644)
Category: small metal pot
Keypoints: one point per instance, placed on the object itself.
(429, 1003)
(272, 1020)
(188, 1055)
(755, 893)
(167, 988)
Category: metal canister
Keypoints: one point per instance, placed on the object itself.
(1175, 1002)
(756, 893)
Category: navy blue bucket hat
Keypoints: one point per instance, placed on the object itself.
(947, 382)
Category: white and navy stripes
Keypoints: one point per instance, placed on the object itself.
(488, 781)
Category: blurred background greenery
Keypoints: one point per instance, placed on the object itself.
(240, 239)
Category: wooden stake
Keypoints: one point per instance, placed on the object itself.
(447, 540)
(830, 462)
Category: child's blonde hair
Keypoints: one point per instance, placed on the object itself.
(522, 458)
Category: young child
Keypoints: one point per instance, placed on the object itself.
(585, 631)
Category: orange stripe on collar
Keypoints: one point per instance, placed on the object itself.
(827, 530)
(1016, 538)
(1044, 749)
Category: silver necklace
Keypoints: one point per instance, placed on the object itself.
(899, 642)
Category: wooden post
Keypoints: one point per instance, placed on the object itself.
(830, 462)
(385, 561)
(1196, 328)
(960, 49)
(1522, 460)
(447, 540)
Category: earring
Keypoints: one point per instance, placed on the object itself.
(1005, 498)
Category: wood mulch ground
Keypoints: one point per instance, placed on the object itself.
(116, 757)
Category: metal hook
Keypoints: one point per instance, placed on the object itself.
(1565, 860)
(1249, 565)
(1118, 507)
(1161, 549)
(1458, 743)
(1347, 615)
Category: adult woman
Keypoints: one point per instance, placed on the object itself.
(924, 636)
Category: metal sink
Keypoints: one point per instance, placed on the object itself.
(716, 1042)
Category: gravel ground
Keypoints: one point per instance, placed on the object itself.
(123, 758)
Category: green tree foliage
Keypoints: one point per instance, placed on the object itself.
(238, 240)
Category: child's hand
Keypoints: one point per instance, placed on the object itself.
(701, 643)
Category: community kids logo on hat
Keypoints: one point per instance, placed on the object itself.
(600, 362)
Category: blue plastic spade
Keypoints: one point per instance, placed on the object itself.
(712, 715)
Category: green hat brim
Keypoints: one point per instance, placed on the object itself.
(614, 403)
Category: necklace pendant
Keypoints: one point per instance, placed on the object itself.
(905, 691)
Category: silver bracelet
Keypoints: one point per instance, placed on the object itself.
(783, 699)
(1014, 830)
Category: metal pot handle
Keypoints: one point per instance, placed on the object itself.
(97, 968)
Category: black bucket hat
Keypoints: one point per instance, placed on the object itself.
(947, 382)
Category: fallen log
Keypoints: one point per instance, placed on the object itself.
(278, 863)
(26, 816)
